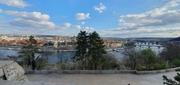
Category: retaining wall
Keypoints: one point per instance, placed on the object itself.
(99, 71)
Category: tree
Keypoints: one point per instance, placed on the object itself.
(91, 53)
(82, 48)
(131, 60)
(96, 50)
(171, 55)
(143, 60)
(171, 52)
(149, 57)
(28, 53)
(168, 81)
(132, 55)
(109, 62)
(129, 45)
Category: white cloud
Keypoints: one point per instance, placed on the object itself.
(161, 21)
(82, 16)
(100, 8)
(78, 27)
(161, 16)
(87, 28)
(29, 19)
(83, 23)
(14, 3)
(66, 25)
(22, 22)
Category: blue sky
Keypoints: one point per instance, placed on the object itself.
(110, 18)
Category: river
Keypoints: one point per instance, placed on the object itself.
(54, 56)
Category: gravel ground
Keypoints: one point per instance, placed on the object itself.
(100, 79)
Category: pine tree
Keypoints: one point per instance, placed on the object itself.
(91, 53)
(82, 48)
(96, 50)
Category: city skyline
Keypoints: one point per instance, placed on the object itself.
(115, 18)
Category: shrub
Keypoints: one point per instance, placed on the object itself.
(61, 66)
(140, 67)
(65, 66)
(109, 62)
(145, 60)
(159, 66)
(171, 52)
(41, 64)
(156, 66)
(175, 62)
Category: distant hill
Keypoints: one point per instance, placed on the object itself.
(112, 38)
(175, 39)
(151, 39)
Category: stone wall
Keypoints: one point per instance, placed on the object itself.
(100, 71)
(2, 82)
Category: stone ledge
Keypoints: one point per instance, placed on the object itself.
(99, 71)
(3, 82)
(157, 71)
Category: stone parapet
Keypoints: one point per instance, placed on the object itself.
(100, 71)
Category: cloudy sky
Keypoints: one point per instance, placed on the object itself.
(110, 18)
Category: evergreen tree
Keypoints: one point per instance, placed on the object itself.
(82, 48)
(28, 52)
(91, 52)
(96, 50)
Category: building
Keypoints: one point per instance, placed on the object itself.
(113, 43)
(155, 46)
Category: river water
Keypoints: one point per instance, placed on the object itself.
(52, 56)
(63, 56)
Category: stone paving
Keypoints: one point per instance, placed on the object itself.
(100, 79)
(15, 76)
(91, 79)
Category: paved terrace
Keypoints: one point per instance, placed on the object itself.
(101, 79)
(91, 79)
(15, 76)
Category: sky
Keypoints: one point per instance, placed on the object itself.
(110, 18)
